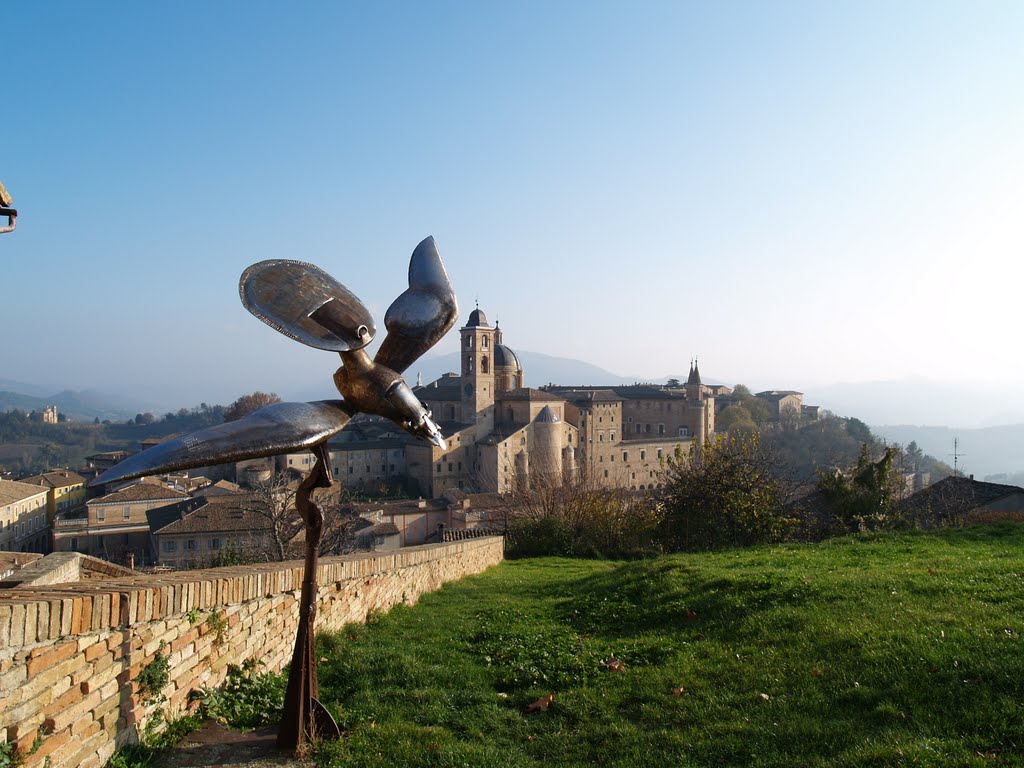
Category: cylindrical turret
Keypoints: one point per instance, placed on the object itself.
(523, 470)
(547, 446)
(569, 464)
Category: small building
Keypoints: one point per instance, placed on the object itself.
(115, 527)
(956, 500)
(196, 531)
(24, 526)
(782, 402)
(65, 491)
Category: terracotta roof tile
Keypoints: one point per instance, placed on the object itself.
(140, 492)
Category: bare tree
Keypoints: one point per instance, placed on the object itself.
(246, 404)
(273, 502)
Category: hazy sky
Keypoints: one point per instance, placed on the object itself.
(798, 193)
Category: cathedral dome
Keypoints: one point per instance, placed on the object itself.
(477, 318)
(505, 358)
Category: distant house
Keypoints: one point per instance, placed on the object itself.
(66, 491)
(194, 531)
(782, 401)
(956, 500)
(115, 526)
(23, 521)
(426, 520)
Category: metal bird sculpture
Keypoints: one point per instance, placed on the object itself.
(306, 304)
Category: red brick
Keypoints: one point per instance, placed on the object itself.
(51, 657)
(96, 650)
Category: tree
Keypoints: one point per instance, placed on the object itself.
(274, 502)
(864, 498)
(246, 404)
(728, 495)
(672, 383)
(735, 418)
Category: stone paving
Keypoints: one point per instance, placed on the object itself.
(213, 746)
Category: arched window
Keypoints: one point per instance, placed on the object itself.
(469, 363)
(484, 342)
(484, 364)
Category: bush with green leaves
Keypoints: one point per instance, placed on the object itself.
(247, 698)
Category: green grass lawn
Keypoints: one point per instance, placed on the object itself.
(868, 650)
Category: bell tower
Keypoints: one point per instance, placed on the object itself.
(477, 352)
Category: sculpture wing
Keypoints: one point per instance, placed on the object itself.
(306, 304)
(421, 315)
(271, 430)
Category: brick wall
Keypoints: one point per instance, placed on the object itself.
(70, 654)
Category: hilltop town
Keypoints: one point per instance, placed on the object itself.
(502, 438)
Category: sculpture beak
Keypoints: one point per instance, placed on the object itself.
(417, 421)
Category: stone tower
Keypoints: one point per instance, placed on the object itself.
(477, 352)
(697, 407)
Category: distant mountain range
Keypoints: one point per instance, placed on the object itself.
(981, 452)
(988, 422)
(82, 405)
(917, 400)
(539, 369)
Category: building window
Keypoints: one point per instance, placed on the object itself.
(484, 365)
(684, 432)
(214, 543)
(600, 437)
(613, 437)
(643, 455)
(101, 514)
(625, 456)
(170, 546)
(659, 453)
(190, 544)
(661, 429)
(606, 473)
(126, 513)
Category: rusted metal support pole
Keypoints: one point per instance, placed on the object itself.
(305, 719)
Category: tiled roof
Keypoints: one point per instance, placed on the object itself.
(533, 395)
(385, 529)
(12, 492)
(214, 514)
(220, 488)
(140, 492)
(777, 394)
(445, 388)
(956, 495)
(56, 479)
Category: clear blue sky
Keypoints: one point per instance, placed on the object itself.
(799, 193)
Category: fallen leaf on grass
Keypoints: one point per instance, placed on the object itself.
(764, 697)
(613, 665)
(691, 615)
(541, 704)
(678, 691)
(816, 672)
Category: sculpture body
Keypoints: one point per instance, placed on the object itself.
(306, 304)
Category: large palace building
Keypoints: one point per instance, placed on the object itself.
(502, 435)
